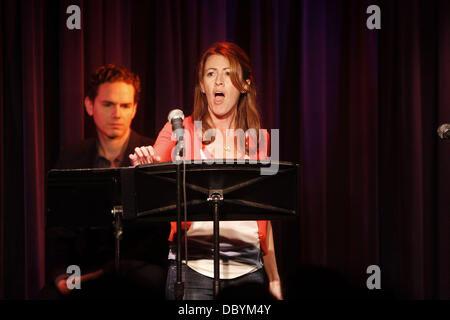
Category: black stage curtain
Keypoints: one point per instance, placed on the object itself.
(357, 108)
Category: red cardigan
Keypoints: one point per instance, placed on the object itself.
(163, 148)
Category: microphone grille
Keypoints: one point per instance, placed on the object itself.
(174, 114)
(443, 130)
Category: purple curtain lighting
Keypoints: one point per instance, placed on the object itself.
(357, 108)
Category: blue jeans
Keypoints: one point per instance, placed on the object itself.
(200, 287)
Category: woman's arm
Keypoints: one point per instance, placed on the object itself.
(270, 265)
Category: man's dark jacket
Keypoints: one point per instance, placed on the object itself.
(83, 154)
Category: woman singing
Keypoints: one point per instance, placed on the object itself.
(224, 102)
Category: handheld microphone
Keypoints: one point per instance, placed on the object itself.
(176, 117)
(444, 131)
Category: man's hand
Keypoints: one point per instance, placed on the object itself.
(61, 284)
(61, 281)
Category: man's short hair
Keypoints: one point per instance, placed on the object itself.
(113, 73)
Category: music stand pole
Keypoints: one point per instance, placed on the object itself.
(216, 198)
(179, 285)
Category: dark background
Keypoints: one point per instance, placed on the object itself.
(357, 108)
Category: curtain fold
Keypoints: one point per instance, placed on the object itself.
(2, 168)
(441, 222)
(13, 162)
(33, 145)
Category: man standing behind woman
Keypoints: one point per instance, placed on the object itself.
(225, 101)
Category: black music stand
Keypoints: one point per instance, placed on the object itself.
(230, 191)
(87, 198)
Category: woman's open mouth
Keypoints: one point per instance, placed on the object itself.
(219, 97)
